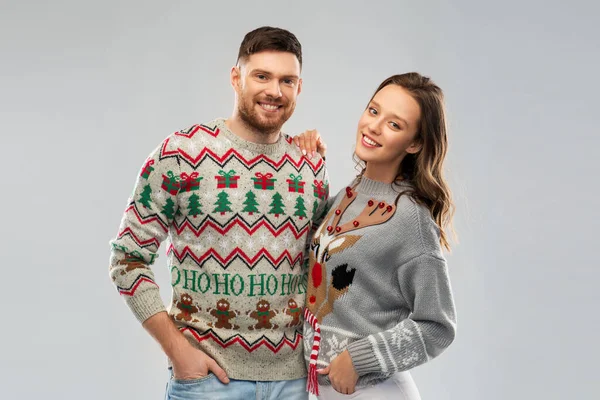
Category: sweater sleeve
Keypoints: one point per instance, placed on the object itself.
(426, 333)
(144, 226)
(321, 210)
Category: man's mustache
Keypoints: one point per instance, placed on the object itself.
(272, 100)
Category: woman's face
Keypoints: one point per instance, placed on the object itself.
(387, 129)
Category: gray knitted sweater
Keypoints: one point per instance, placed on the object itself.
(378, 284)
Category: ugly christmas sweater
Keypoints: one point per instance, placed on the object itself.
(378, 285)
(237, 215)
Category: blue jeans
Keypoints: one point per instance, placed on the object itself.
(210, 387)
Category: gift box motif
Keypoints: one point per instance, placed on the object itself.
(227, 180)
(147, 169)
(189, 182)
(320, 190)
(264, 181)
(295, 184)
(170, 183)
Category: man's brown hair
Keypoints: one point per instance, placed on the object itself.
(269, 38)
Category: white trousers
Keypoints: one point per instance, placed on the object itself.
(399, 386)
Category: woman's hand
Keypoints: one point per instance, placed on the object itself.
(342, 375)
(311, 142)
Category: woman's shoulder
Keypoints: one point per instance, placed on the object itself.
(415, 219)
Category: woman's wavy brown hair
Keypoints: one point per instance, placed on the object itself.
(424, 170)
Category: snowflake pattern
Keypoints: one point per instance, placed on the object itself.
(209, 196)
(287, 240)
(335, 347)
(403, 338)
(263, 237)
(237, 238)
(210, 238)
(264, 196)
(275, 246)
(160, 195)
(401, 335)
(410, 359)
(308, 339)
(193, 146)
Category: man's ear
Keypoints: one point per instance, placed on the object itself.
(299, 85)
(235, 77)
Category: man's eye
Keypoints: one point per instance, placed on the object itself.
(261, 77)
(288, 81)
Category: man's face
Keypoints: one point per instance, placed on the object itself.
(267, 84)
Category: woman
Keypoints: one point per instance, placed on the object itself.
(379, 301)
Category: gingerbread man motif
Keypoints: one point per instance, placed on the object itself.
(223, 315)
(132, 263)
(295, 312)
(263, 315)
(185, 305)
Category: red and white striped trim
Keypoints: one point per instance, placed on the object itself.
(312, 384)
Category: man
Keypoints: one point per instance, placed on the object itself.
(236, 199)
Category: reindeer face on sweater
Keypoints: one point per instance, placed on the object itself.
(325, 288)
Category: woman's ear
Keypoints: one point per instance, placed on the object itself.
(414, 147)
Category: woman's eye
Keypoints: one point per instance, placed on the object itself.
(372, 111)
(395, 125)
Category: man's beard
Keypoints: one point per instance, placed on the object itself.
(262, 125)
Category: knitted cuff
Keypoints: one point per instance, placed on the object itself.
(363, 357)
(145, 304)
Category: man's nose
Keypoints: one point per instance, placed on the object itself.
(273, 90)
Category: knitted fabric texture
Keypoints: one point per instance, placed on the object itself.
(237, 215)
(378, 285)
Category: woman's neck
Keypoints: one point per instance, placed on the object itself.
(381, 173)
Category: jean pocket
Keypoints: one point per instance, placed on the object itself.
(193, 381)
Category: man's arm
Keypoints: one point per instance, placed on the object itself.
(144, 226)
(188, 361)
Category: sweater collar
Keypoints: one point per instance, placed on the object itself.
(238, 142)
(373, 187)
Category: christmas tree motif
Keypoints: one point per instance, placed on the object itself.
(169, 209)
(222, 203)
(277, 205)
(145, 198)
(315, 207)
(250, 203)
(300, 207)
(194, 205)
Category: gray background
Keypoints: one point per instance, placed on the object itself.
(88, 89)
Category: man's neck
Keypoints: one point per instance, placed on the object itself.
(241, 129)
